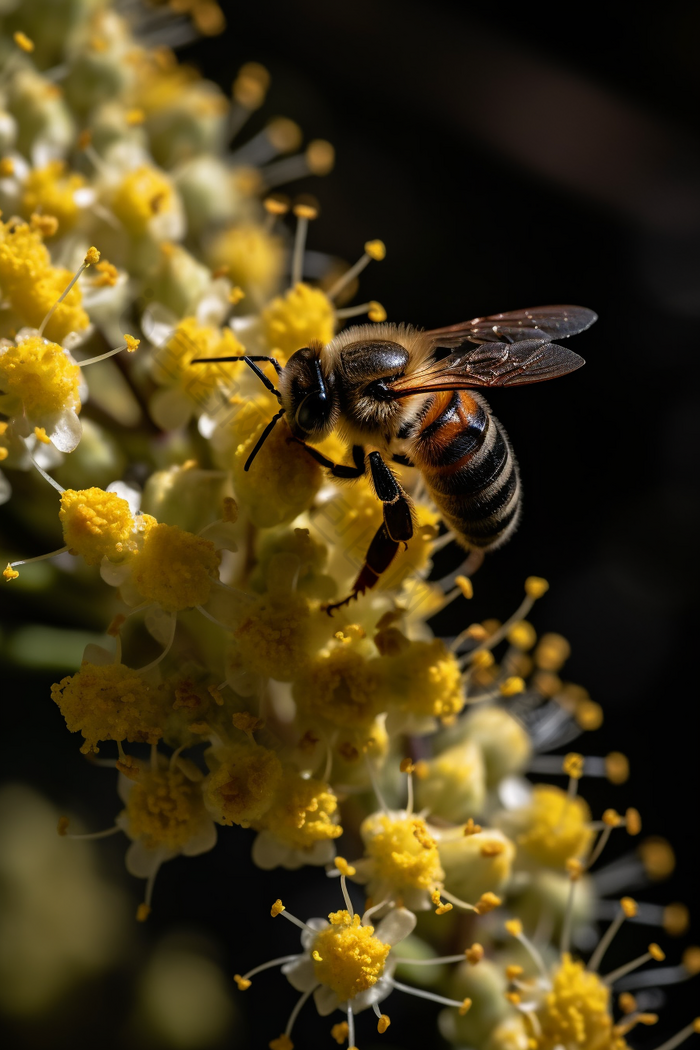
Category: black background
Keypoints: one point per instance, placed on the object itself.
(508, 158)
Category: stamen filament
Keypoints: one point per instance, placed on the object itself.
(94, 834)
(425, 995)
(610, 978)
(346, 895)
(298, 253)
(438, 960)
(600, 845)
(102, 357)
(679, 1037)
(76, 276)
(268, 965)
(456, 900)
(375, 786)
(47, 477)
(605, 942)
(498, 636)
(168, 646)
(351, 1027)
(39, 557)
(353, 311)
(297, 922)
(565, 941)
(349, 275)
(409, 794)
(295, 1012)
(533, 953)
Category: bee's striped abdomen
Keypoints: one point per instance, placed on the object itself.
(469, 467)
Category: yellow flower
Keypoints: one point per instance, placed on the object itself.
(295, 319)
(348, 957)
(41, 375)
(174, 568)
(576, 1011)
(51, 191)
(142, 194)
(109, 702)
(250, 257)
(164, 809)
(242, 784)
(553, 827)
(96, 524)
(300, 826)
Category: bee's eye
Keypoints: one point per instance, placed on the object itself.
(314, 411)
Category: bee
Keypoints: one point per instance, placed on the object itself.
(400, 394)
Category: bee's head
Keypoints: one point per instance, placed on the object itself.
(308, 395)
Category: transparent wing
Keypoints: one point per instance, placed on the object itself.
(493, 364)
(538, 322)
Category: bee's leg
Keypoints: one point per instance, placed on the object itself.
(396, 528)
(378, 558)
(339, 470)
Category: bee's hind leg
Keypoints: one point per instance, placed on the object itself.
(396, 528)
(378, 558)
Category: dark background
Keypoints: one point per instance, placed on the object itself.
(508, 158)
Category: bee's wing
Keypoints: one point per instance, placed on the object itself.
(494, 364)
(539, 322)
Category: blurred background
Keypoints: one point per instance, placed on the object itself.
(508, 158)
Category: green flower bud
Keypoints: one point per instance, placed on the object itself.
(193, 123)
(185, 496)
(209, 193)
(43, 118)
(455, 786)
(503, 741)
(485, 985)
(180, 281)
(548, 893)
(475, 864)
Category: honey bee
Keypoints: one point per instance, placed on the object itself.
(394, 397)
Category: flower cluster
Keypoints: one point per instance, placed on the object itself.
(226, 697)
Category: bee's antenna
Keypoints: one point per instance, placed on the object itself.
(263, 438)
(250, 361)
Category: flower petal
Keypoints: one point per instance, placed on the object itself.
(65, 430)
(326, 1000)
(301, 974)
(143, 862)
(307, 939)
(202, 841)
(395, 926)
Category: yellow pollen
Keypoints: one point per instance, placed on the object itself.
(656, 953)
(339, 1032)
(482, 659)
(235, 295)
(512, 686)
(513, 971)
(96, 524)
(402, 852)
(305, 211)
(142, 912)
(302, 812)
(142, 194)
(465, 1007)
(315, 956)
(629, 907)
(276, 908)
(556, 826)
(513, 997)
(474, 954)
(376, 312)
(574, 868)
(466, 586)
(109, 275)
(276, 205)
(344, 868)
(589, 714)
(352, 958)
(487, 902)
(9, 573)
(164, 809)
(406, 766)
(627, 1003)
(41, 435)
(522, 635)
(633, 821)
(383, 1023)
(23, 41)
(109, 702)
(301, 316)
(63, 824)
(84, 139)
(132, 343)
(242, 982)
(535, 586)
(676, 919)
(175, 568)
(134, 117)
(92, 257)
(514, 927)
(242, 787)
(470, 828)
(573, 765)
(283, 1042)
(576, 1012)
(244, 721)
(7, 167)
(617, 767)
(612, 818)
(376, 250)
(41, 375)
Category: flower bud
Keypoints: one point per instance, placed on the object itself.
(475, 864)
(185, 496)
(504, 742)
(455, 787)
(209, 193)
(485, 985)
(44, 122)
